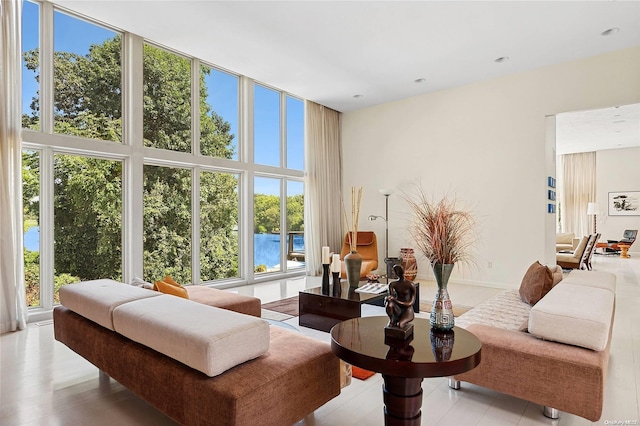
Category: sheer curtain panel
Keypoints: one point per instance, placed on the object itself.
(323, 183)
(578, 190)
(13, 311)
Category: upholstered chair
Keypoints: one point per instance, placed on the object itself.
(368, 249)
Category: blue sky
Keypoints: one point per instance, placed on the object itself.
(74, 35)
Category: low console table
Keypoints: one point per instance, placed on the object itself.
(323, 311)
(403, 364)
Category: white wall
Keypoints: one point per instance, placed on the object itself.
(485, 143)
(617, 170)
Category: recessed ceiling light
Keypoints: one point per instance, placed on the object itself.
(420, 80)
(501, 59)
(610, 31)
(357, 96)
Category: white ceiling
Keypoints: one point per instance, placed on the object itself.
(596, 130)
(329, 51)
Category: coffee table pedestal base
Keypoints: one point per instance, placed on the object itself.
(403, 401)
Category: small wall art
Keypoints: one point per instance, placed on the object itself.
(551, 208)
(551, 182)
(551, 194)
(624, 203)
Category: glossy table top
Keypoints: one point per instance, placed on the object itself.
(362, 342)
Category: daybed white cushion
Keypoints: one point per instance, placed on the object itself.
(504, 310)
(96, 299)
(208, 339)
(605, 280)
(574, 314)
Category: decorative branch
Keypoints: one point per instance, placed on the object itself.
(356, 199)
(443, 233)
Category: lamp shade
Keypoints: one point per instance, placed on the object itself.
(593, 208)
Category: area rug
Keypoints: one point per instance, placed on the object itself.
(361, 373)
(287, 306)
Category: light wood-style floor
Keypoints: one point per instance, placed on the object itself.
(45, 383)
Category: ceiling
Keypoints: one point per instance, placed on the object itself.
(329, 51)
(600, 129)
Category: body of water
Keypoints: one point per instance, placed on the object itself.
(266, 247)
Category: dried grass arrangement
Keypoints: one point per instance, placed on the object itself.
(442, 232)
(356, 199)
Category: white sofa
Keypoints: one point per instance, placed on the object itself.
(555, 353)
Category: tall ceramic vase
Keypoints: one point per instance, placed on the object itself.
(409, 263)
(442, 311)
(352, 263)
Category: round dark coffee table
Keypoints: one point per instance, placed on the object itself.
(361, 342)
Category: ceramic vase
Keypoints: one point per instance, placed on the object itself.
(352, 263)
(441, 317)
(409, 263)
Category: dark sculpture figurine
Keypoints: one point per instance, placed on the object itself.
(399, 306)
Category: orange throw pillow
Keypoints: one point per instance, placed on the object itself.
(537, 282)
(168, 288)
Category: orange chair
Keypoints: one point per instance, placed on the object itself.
(368, 249)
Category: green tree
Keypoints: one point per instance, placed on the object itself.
(88, 198)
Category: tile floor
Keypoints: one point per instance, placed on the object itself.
(42, 382)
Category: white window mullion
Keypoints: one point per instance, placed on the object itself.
(283, 225)
(46, 67)
(133, 177)
(46, 229)
(195, 225)
(246, 157)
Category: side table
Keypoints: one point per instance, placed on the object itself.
(404, 364)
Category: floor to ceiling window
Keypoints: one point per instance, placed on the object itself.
(137, 165)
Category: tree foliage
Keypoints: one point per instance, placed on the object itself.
(88, 191)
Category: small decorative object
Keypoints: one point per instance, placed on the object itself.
(353, 260)
(391, 262)
(326, 260)
(441, 317)
(325, 279)
(442, 344)
(409, 263)
(445, 235)
(373, 278)
(399, 306)
(335, 271)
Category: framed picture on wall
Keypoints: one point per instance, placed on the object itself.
(624, 203)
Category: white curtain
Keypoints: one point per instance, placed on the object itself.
(13, 308)
(578, 180)
(323, 185)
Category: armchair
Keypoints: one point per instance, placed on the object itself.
(628, 238)
(579, 257)
(368, 249)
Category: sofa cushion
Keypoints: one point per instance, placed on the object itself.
(537, 281)
(225, 299)
(96, 299)
(605, 280)
(208, 339)
(504, 310)
(584, 322)
(557, 274)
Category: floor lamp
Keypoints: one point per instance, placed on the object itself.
(389, 262)
(593, 209)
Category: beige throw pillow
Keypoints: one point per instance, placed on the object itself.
(537, 282)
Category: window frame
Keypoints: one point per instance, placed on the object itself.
(134, 156)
